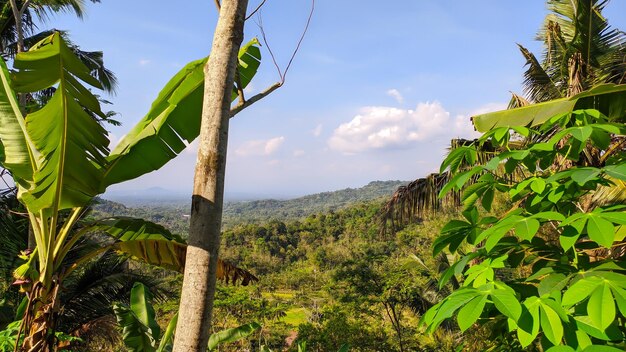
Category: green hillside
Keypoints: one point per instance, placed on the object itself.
(175, 215)
(262, 210)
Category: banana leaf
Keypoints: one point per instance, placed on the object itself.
(173, 120)
(16, 151)
(153, 244)
(232, 335)
(71, 144)
(140, 331)
(610, 99)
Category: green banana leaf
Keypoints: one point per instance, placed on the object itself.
(173, 119)
(610, 99)
(152, 243)
(232, 335)
(168, 337)
(140, 331)
(72, 145)
(140, 298)
(16, 151)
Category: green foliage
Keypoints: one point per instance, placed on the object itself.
(59, 158)
(551, 268)
(140, 330)
(232, 335)
(8, 336)
(141, 333)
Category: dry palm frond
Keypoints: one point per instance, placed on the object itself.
(517, 101)
(417, 198)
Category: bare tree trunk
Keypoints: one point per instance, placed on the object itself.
(17, 14)
(196, 304)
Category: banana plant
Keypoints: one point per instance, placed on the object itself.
(59, 159)
(141, 333)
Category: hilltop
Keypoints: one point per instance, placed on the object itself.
(174, 213)
(262, 210)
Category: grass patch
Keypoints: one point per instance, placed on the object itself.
(295, 316)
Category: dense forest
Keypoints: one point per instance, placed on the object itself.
(329, 278)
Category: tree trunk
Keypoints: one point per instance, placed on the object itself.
(196, 303)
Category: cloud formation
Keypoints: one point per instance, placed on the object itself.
(317, 131)
(260, 147)
(394, 93)
(380, 127)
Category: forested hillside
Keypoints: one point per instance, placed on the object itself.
(174, 214)
(329, 277)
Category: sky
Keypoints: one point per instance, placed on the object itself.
(376, 91)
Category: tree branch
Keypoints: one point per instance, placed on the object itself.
(244, 104)
(256, 10)
(283, 75)
(217, 4)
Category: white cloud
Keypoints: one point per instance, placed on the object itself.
(298, 153)
(317, 131)
(394, 93)
(144, 62)
(463, 123)
(379, 127)
(260, 147)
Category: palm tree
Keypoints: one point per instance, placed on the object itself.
(580, 51)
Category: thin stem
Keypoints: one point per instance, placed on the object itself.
(256, 10)
(281, 74)
(306, 28)
(65, 231)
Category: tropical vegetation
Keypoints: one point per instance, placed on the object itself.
(59, 160)
(517, 244)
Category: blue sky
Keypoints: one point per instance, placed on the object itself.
(376, 92)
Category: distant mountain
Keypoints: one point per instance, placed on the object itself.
(147, 197)
(158, 196)
(169, 207)
(263, 210)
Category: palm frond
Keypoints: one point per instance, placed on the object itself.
(89, 294)
(413, 201)
(538, 85)
(517, 101)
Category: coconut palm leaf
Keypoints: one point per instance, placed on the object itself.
(538, 85)
(517, 101)
(422, 196)
(89, 293)
(172, 122)
(61, 130)
(44, 8)
(415, 199)
(580, 51)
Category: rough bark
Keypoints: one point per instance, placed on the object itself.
(196, 304)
